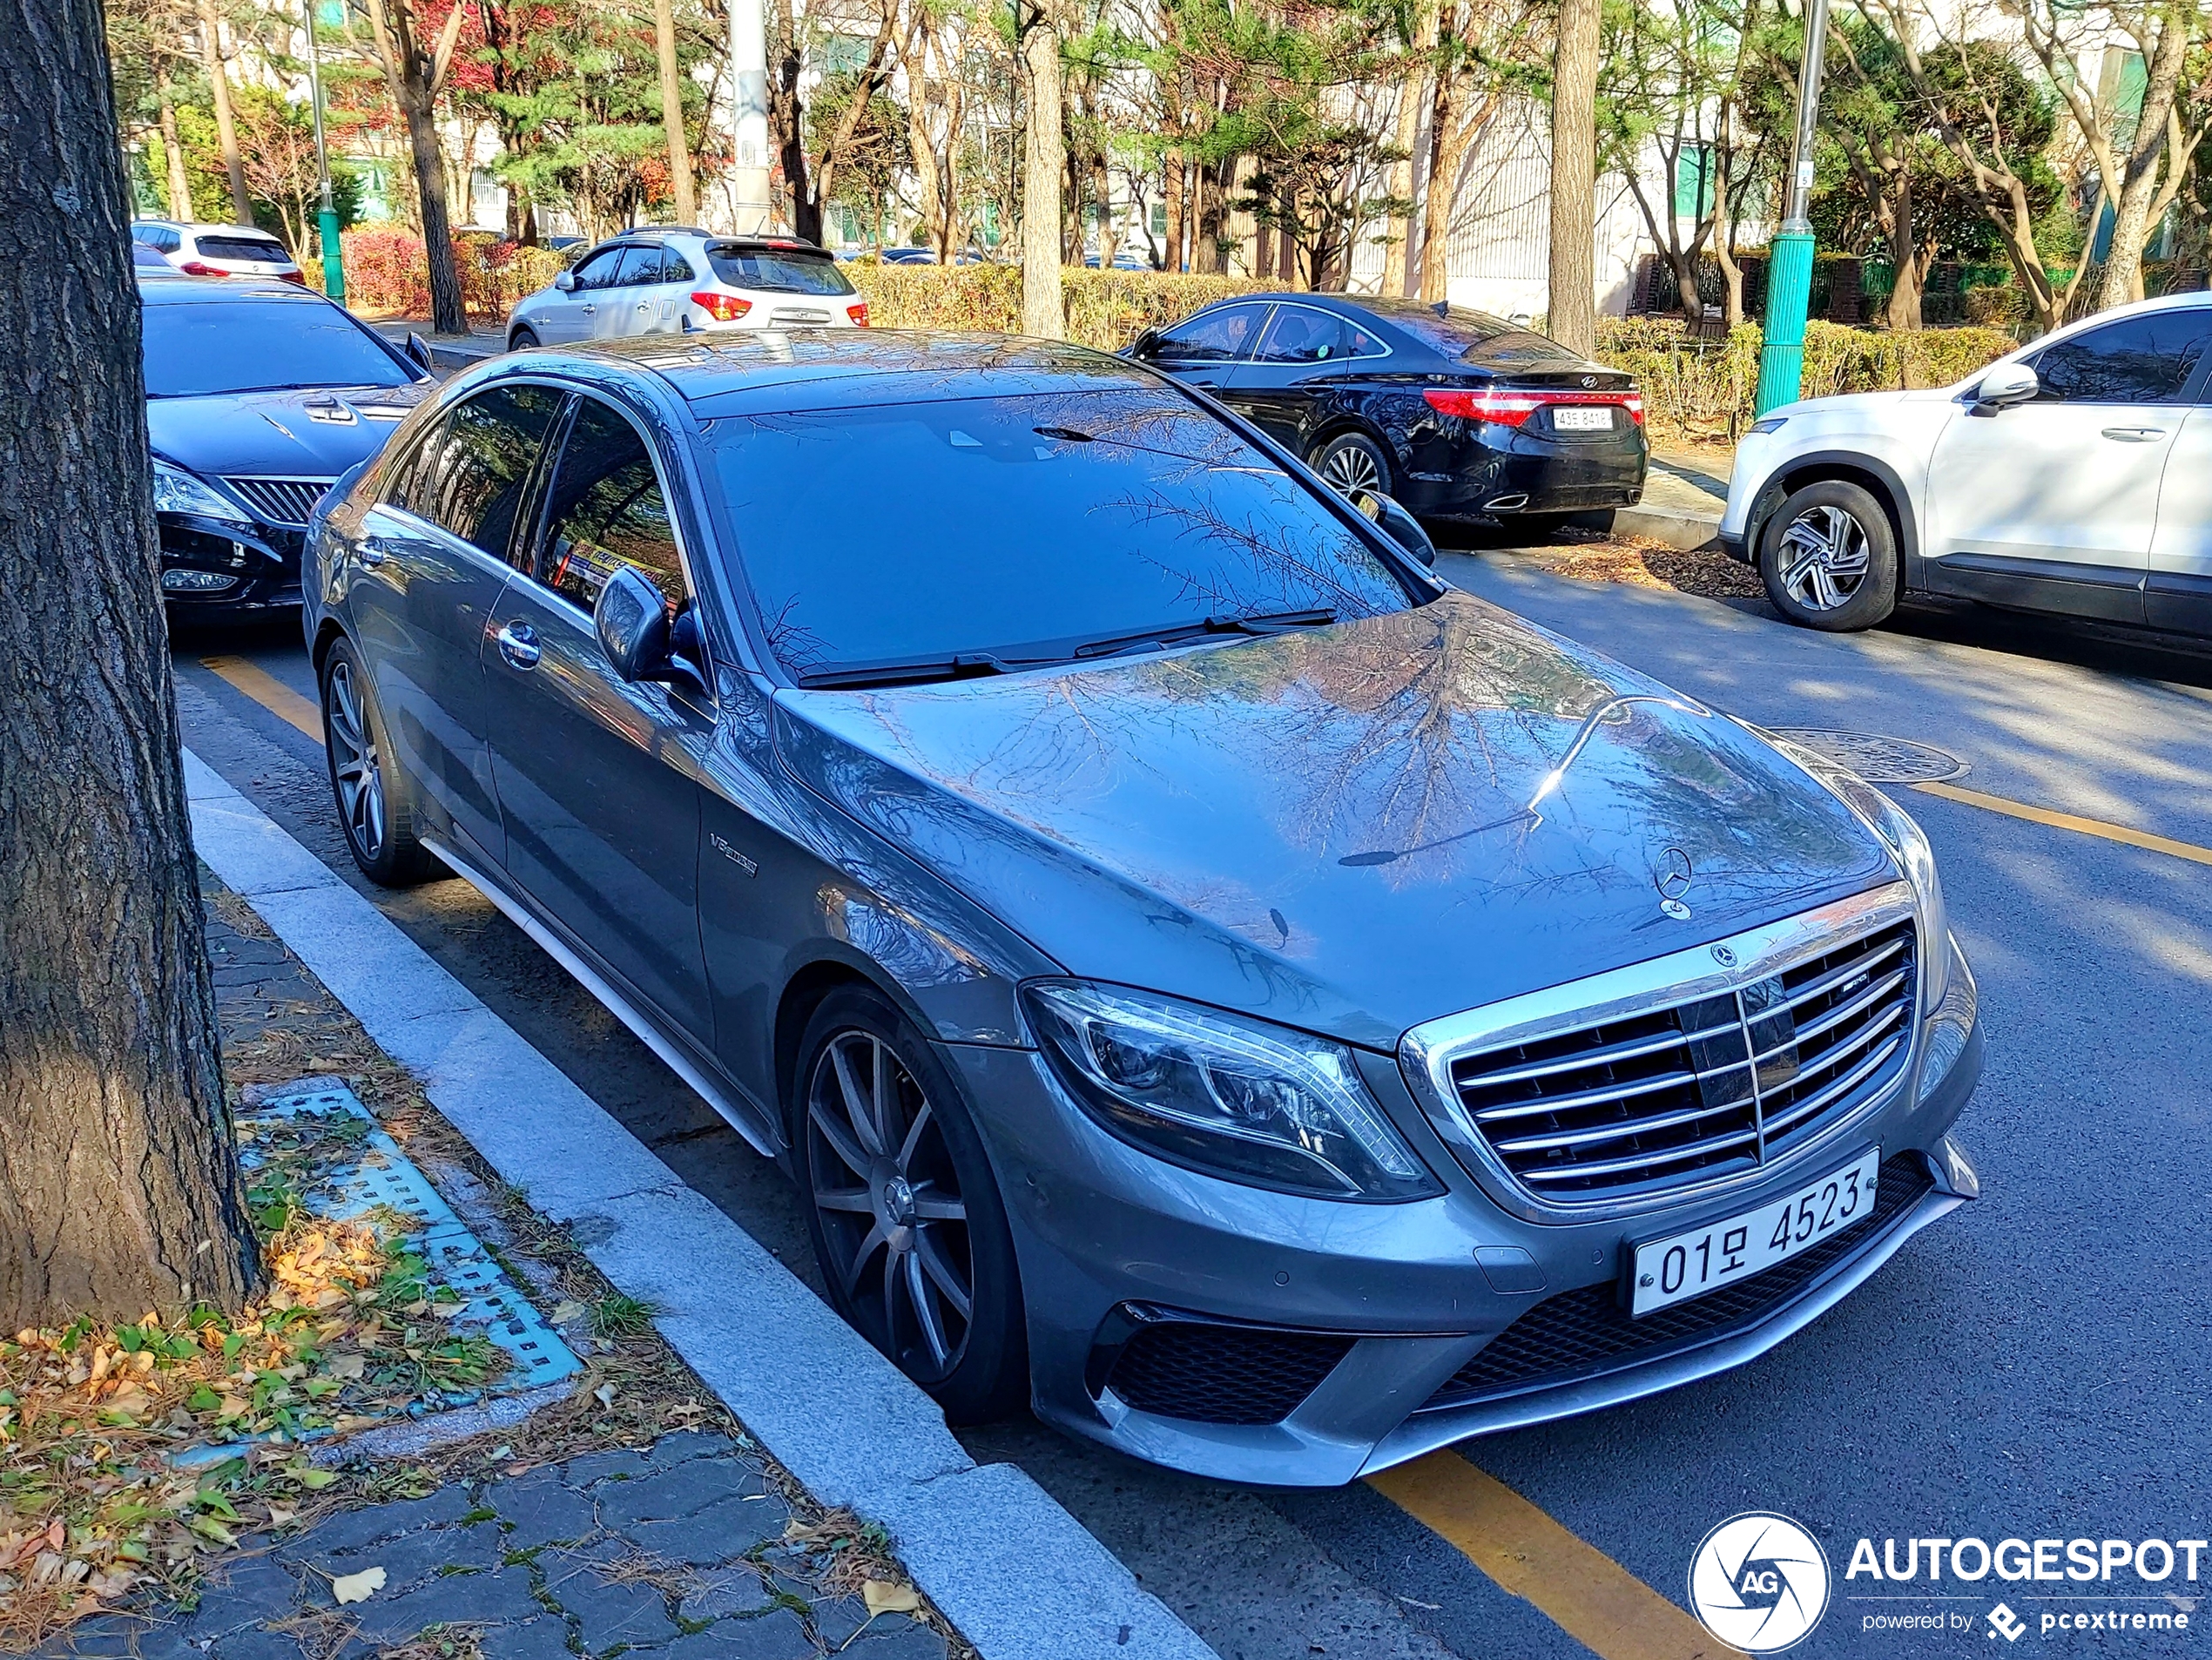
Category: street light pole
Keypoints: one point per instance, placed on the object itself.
(1789, 283)
(749, 202)
(334, 264)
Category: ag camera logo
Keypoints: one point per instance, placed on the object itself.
(1759, 1582)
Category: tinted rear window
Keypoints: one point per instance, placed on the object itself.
(241, 247)
(779, 270)
(1014, 525)
(1474, 337)
(260, 345)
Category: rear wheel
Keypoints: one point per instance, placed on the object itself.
(1351, 462)
(375, 800)
(904, 1214)
(1829, 557)
(522, 339)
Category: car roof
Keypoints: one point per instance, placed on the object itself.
(220, 230)
(187, 290)
(769, 371)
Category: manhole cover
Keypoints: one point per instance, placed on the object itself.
(1876, 759)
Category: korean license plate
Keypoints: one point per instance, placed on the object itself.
(1572, 420)
(1684, 1266)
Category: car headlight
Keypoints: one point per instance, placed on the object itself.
(1772, 424)
(176, 490)
(1252, 1102)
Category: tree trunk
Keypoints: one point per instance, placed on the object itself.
(1571, 318)
(1043, 312)
(671, 113)
(1205, 236)
(1400, 227)
(1102, 187)
(210, 46)
(1904, 316)
(1173, 196)
(179, 182)
(118, 1181)
(448, 315)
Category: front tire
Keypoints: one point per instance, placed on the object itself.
(522, 339)
(376, 798)
(1351, 461)
(908, 1226)
(1829, 558)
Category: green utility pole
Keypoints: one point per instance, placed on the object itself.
(1788, 273)
(334, 263)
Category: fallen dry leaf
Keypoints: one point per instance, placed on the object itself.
(883, 1597)
(345, 1367)
(357, 1588)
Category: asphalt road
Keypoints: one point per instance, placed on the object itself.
(2033, 1367)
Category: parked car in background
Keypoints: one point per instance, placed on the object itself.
(672, 280)
(907, 256)
(217, 249)
(258, 397)
(1447, 410)
(1274, 1013)
(2073, 476)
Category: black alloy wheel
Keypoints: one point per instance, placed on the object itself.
(1351, 462)
(904, 1214)
(375, 804)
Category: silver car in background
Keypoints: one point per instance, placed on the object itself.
(674, 280)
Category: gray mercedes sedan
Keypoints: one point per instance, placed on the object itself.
(1210, 980)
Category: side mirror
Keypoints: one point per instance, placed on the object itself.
(418, 351)
(2007, 384)
(1145, 346)
(640, 642)
(564, 280)
(1394, 522)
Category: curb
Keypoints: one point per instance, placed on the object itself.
(1685, 531)
(445, 353)
(1017, 1573)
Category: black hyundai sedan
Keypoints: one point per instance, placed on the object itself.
(258, 396)
(1447, 410)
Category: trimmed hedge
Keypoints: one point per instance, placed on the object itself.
(1106, 309)
(387, 274)
(1704, 390)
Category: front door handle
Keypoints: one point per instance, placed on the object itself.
(2135, 435)
(518, 644)
(591, 311)
(370, 555)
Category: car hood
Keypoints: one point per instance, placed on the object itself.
(1350, 830)
(1852, 404)
(314, 434)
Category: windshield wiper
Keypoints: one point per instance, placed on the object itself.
(966, 665)
(1161, 638)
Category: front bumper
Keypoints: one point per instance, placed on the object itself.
(1368, 1323)
(233, 569)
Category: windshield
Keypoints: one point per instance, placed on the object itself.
(1047, 527)
(260, 345)
(779, 270)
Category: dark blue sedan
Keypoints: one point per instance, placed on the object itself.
(258, 396)
(1448, 410)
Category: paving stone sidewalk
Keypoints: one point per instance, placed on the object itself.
(676, 1550)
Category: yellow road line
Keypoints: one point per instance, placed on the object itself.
(270, 692)
(2069, 821)
(1578, 1587)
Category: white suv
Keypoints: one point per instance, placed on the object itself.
(2073, 475)
(671, 280)
(217, 250)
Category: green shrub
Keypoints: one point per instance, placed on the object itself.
(1106, 309)
(387, 276)
(1704, 390)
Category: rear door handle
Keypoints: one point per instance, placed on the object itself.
(518, 644)
(2135, 435)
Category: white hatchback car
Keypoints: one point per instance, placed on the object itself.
(671, 280)
(217, 249)
(2073, 475)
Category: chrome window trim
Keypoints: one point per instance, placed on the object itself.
(1282, 306)
(1266, 304)
(1428, 1052)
